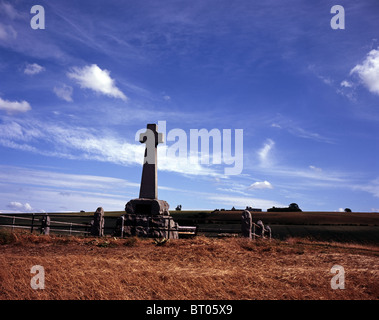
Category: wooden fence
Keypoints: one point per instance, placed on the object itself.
(33, 222)
(64, 224)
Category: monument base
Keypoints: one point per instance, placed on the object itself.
(149, 207)
(158, 226)
(147, 218)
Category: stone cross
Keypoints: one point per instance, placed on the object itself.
(149, 180)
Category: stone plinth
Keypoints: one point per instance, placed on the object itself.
(150, 207)
(147, 218)
(158, 226)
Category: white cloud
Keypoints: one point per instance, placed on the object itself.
(368, 71)
(12, 107)
(19, 207)
(261, 185)
(64, 92)
(33, 68)
(96, 79)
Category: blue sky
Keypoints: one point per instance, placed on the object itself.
(74, 95)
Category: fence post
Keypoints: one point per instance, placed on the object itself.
(97, 228)
(32, 227)
(168, 220)
(122, 226)
(13, 222)
(246, 222)
(45, 224)
(148, 226)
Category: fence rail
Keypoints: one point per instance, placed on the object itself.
(263, 234)
(36, 223)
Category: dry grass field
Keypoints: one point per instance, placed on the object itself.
(186, 269)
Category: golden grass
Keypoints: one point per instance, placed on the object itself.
(199, 269)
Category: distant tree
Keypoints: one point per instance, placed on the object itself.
(294, 207)
(178, 207)
(347, 210)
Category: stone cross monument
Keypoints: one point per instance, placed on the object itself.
(149, 180)
(147, 216)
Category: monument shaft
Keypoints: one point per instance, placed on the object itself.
(149, 179)
(149, 184)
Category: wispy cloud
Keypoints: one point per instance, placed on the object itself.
(299, 130)
(12, 107)
(347, 89)
(370, 187)
(32, 69)
(346, 84)
(309, 174)
(7, 32)
(9, 10)
(64, 92)
(242, 202)
(33, 177)
(325, 79)
(96, 79)
(264, 152)
(57, 191)
(88, 144)
(306, 134)
(315, 168)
